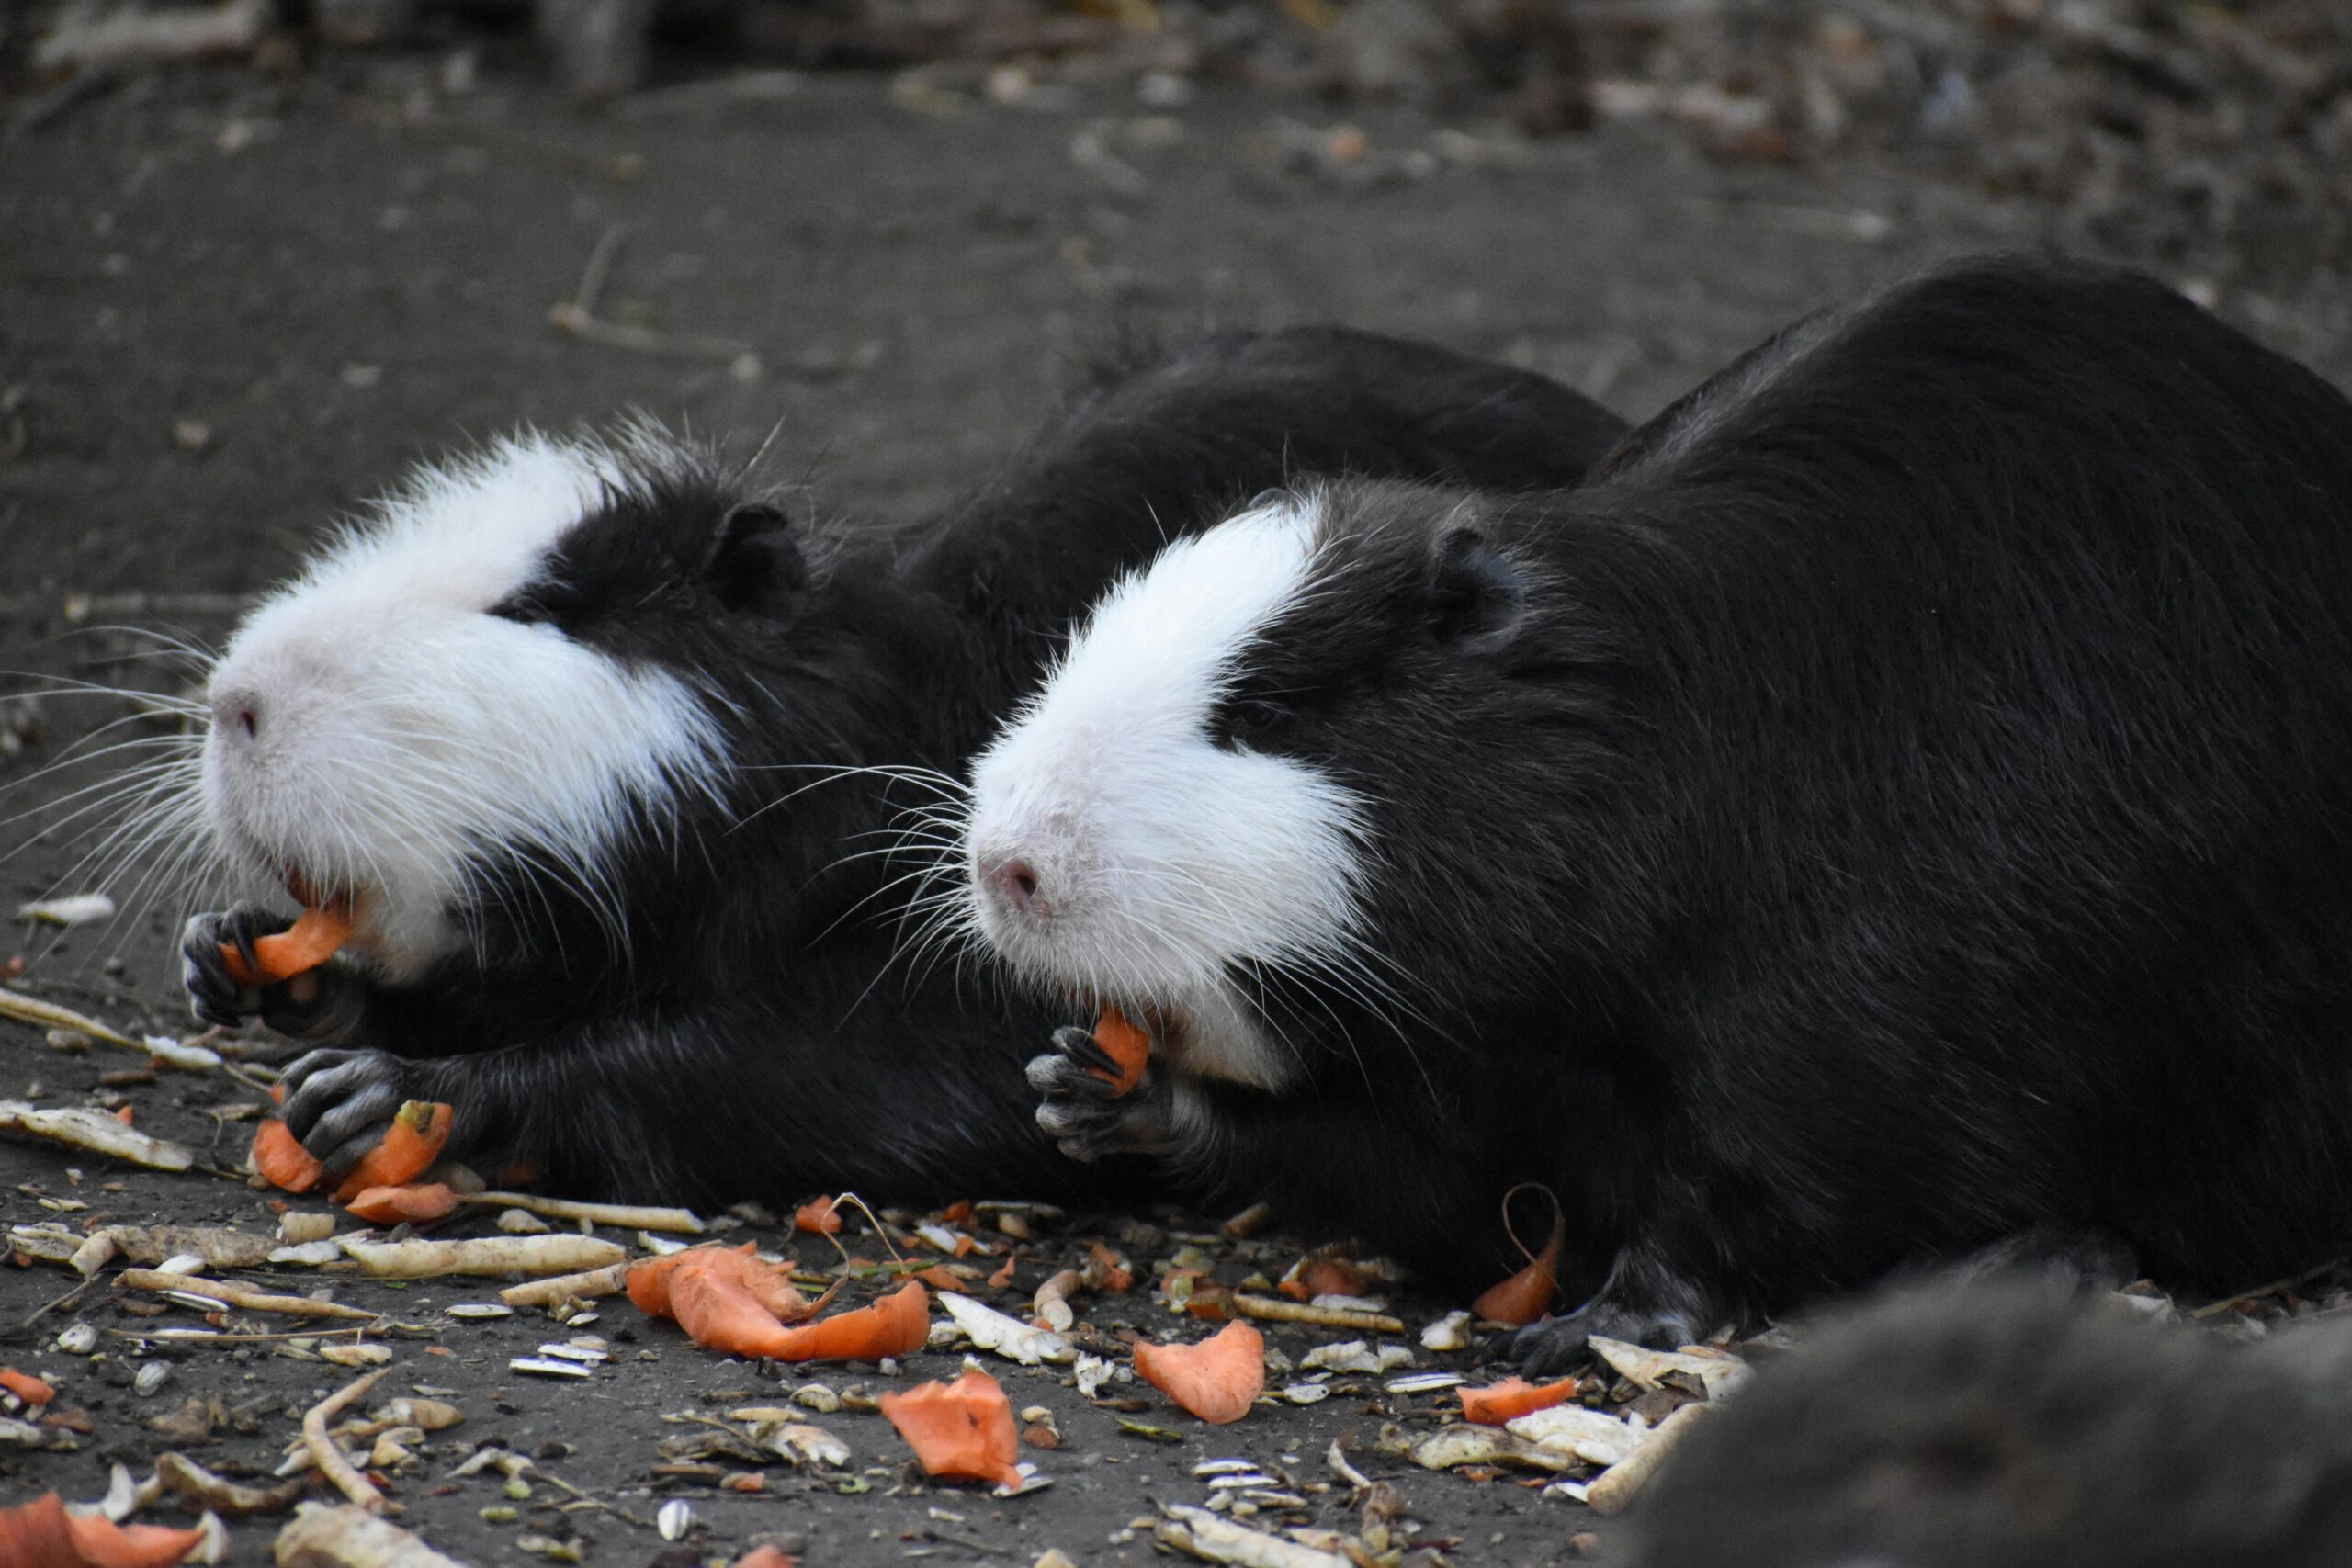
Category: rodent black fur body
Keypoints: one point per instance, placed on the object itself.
(2016, 1426)
(1903, 800)
(742, 1033)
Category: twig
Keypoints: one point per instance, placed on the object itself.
(600, 264)
(49, 1015)
(2214, 1309)
(237, 1295)
(622, 1215)
(578, 316)
(68, 1299)
(327, 1457)
(1270, 1310)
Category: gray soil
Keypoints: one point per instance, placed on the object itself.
(336, 278)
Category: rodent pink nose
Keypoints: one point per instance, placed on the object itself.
(1014, 881)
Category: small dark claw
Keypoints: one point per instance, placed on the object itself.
(1082, 1048)
(339, 1103)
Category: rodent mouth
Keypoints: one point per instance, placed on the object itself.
(335, 898)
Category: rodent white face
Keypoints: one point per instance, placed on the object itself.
(379, 732)
(1116, 849)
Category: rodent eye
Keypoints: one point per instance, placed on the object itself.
(1255, 715)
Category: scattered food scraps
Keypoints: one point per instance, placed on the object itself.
(1216, 1380)
(95, 1130)
(1498, 1403)
(42, 1534)
(961, 1431)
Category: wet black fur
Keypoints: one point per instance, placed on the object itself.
(748, 1036)
(2014, 1428)
(1904, 798)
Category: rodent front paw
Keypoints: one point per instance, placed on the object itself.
(213, 994)
(1082, 1110)
(341, 1103)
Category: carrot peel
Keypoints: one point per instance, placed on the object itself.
(730, 1301)
(961, 1430)
(1512, 1398)
(41, 1534)
(410, 1147)
(416, 1204)
(1526, 1295)
(1216, 1380)
(313, 938)
(1125, 1044)
(282, 1160)
(26, 1387)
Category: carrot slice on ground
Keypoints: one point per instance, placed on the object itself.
(1526, 1295)
(732, 1302)
(770, 1284)
(1125, 1044)
(282, 1160)
(961, 1430)
(310, 941)
(818, 1217)
(26, 1387)
(765, 1557)
(411, 1145)
(417, 1204)
(41, 1534)
(1514, 1397)
(898, 1325)
(1215, 1380)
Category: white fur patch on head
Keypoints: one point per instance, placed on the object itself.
(376, 731)
(1160, 859)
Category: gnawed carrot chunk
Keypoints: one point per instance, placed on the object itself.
(651, 1281)
(41, 1534)
(1125, 1044)
(417, 1204)
(26, 1387)
(1215, 1380)
(961, 1430)
(279, 1158)
(898, 1325)
(314, 937)
(410, 1147)
(1512, 1398)
(818, 1217)
(728, 1300)
(1526, 1295)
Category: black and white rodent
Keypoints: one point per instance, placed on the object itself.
(1904, 799)
(2018, 1427)
(597, 745)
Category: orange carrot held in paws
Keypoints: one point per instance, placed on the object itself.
(961, 1430)
(1512, 1398)
(411, 1145)
(282, 1160)
(1215, 1380)
(416, 1204)
(1526, 1295)
(1125, 1044)
(311, 940)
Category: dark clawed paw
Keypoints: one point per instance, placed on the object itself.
(214, 996)
(340, 1103)
(1082, 1110)
(1559, 1345)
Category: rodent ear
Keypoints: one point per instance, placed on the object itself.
(1477, 595)
(752, 556)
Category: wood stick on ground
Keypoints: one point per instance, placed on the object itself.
(49, 1015)
(1272, 1310)
(95, 1130)
(327, 1457)
(228, 1294)
(623, 1217)
(533, 1255)
(1617, 1486)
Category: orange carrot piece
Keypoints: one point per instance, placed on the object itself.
(122, 1114)
(26, 1387)
(41, 1534)
(1125, 1044)
(1215, 1380)
(650, 1281)
(765, 1557)
(898, 1325)
(1526, 1295)
(961, 1430)
(1514, 1397)
(417, 1204)
(1106, 1271)
(311, 940)
(818, 1217)
(282, 1160)
(410, 1147)
(732, 1302)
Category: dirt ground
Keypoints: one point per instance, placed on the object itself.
(231, 307)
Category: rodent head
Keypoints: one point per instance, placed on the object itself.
(481, 691)
(1230, 795)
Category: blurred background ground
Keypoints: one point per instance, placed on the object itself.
(251, 267)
